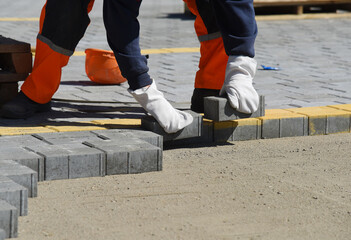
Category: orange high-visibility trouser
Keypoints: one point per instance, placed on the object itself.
(213, 59)
(49, 60)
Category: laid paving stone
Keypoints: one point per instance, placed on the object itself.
(120, 140)
(65, 137)
(20, 174)
(219, 109)
(65, 162)
(23, 141)
(278, 123)
(8, 220)
(26, 158)
(237, 130)
(3, 234)
(325, 120)
(55, 161)
(14, 194)
(85, 162)
(344, 107)
(123, 157)
(147, 136)
(190, 131)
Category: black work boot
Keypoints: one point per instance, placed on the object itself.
(197, 100)
(22, 107)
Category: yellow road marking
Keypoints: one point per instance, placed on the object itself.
(153, 51)
(258, 17)
(19, 19)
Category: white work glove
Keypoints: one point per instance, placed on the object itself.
(153, 101)
(239, 74)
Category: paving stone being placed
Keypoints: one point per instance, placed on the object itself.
(218, 109)
(21, 175)
(65, 162)
(237, 130)
(147, 136)
(14, 194)
(8, 220)
(123, 157)
(279, 123)
(26, 158)
(190, 131)
(206, 137)
(325, 120)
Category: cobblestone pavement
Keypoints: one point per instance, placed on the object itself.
(315, 68)
(313, 56)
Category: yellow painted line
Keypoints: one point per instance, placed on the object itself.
(170, 50)
(345, 107)
(11, 131)
(75, 127)
(19, 19)
(342, 111)
(153, 51)
(271, 114)
(283, 17)
(119, 123)
(237, 123)
(319, 111)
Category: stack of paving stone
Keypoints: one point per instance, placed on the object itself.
(15, 65)
(27, 159)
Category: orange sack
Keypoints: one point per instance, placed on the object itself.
(101, 67)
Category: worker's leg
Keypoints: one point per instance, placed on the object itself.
(236, 20)
(62, 25)
(213, 59)
(122, 27)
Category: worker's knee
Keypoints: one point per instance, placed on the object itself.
(65, 22)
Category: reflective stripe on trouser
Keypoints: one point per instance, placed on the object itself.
(213, 59)
(60, 32)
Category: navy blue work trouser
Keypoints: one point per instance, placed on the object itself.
(66, 21)
(237, 24)
(235, 20)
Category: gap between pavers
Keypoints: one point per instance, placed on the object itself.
(121, 151)
(8, 220)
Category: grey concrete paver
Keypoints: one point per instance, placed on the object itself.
(14, 194)
(310, 53)
(21, 175)
(8, 220)
(315, 69)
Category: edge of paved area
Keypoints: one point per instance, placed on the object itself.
(274, 124)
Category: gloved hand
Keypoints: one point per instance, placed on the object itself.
(153, 101)
(239, 74)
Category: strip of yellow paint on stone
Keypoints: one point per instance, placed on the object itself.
(19, 19)
(236, 123)
(154, 51)
(279, 114)
(11, 131)
(76, 127)
(319, 111)
(345, 107)
(119, 123)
